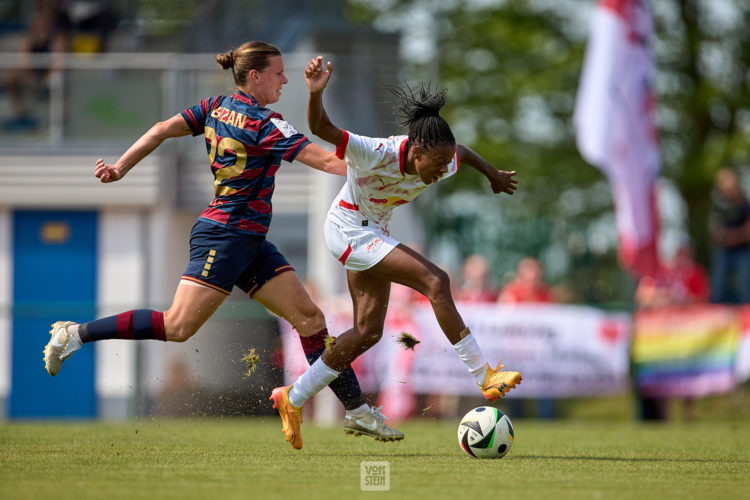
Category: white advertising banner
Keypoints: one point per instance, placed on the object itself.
(560, 350)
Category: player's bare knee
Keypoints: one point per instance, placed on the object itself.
(309, 323)
(438, 286)
(315, 317)
(179, 333)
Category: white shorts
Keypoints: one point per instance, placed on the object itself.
(357, 247)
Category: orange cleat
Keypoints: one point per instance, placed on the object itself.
(291, 416)
(497, 382)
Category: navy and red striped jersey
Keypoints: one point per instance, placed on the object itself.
(245, 144)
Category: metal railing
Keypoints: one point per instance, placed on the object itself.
(64, 81)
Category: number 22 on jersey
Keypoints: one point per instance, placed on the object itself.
(224, 171)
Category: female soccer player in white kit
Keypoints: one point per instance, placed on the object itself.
(384, 173)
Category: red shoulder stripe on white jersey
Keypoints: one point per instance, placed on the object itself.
(341, 148)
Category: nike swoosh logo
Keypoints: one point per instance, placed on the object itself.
(55, 343)
(371, 426)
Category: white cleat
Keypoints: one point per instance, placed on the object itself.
(60, 347)
(371, 424)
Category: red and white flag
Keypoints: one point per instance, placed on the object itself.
(616, 125)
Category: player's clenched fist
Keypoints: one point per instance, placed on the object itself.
(105, 172)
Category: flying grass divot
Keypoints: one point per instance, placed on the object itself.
(330, 342)
(407, 341)
(250, 359)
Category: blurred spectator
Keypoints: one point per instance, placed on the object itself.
(45, 35)
(529, 286)
(690, 283)
(730, 230)
(475, 283)
(55, 27)
(681, 282)
(653, 291)
(89, 22)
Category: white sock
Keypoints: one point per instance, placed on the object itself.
(468, 350)
(73, 329)
(75, 342)
(311, 382)
(361, 410)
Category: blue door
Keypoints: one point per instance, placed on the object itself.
(54, 278)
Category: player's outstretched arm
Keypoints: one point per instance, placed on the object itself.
(173, 127)
(500, 180)
(317, 78)
(318, 158)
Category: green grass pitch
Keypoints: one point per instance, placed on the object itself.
(248, 458)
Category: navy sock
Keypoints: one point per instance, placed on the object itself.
(139, 324)
(345, 386)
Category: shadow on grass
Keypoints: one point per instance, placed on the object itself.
(368, 455)
(627, 459)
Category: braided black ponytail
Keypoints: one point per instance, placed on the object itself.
(419, 110)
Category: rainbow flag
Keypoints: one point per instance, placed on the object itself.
(686, 351)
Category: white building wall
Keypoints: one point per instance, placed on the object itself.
(168, 253)
(120, 287)
(6, 290)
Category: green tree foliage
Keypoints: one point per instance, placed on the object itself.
(703, 54)
(512, 69)
(165, 17)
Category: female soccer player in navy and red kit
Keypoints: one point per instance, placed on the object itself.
(246, 143)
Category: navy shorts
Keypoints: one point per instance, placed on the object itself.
(221, 259)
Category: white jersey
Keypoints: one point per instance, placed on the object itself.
(376, 181)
